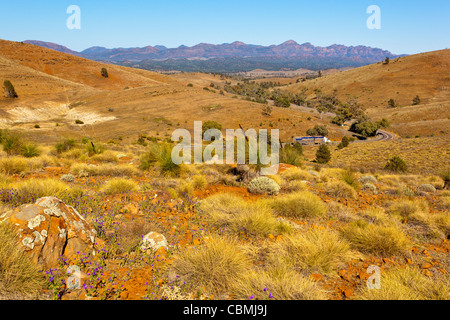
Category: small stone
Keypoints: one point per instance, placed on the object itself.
(348, 292)
(316, 277)
(426, 265)
(427, 273)
(124, 295)
(408, 261)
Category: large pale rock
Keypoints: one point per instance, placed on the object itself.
(154, 241)
(50, 229)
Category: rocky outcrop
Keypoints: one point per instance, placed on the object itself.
(49, 229)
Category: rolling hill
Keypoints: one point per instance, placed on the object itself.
(55, 89)
(425, 75)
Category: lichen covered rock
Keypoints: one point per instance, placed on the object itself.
(49, 229)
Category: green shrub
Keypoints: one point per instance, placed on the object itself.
(263, 185)
(323, 154)
(78, 121)
(65, 145)
(10, 92)
(426, 187)
(396, 164)
(160, 154)
(30, 150)
(11, 141)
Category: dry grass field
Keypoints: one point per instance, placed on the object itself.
(311, 231)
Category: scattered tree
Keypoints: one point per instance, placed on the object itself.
(10, 92)
(416, 101)
(105, 73)
(323, 154)
(317, 131)
(266, 110)
(392, 103)
(396, 164)
(386, 61)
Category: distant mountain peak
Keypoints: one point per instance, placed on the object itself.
(288, 49)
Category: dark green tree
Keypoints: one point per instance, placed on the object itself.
(323, 154)
(416, 101)
(105, 73)
(396, 164)
(10, 92)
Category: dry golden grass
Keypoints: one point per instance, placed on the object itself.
(301, 204)
(422, 155)
(408, 283)
(37, 188)
(376, 239)
(314, 251)
(278, 280)
(107, 169)
(238, 215)
(19, 277)
(216, 266)
(119, 185)
(340, 189)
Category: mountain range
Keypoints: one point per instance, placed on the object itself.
(288, 49)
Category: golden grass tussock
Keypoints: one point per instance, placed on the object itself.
(278, 282)
(216, 266)
(340, 189)
(42, 187)
(408, 283)
(107, 169)
(303, 204)
(119, 185)
(238, 215)
(406, 208)
(19, 276)
(314, 251)
(376, 239)
(297, 174)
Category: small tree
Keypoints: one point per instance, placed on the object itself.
(323, 154)
(10, 92)
(105, 73)
(266, 110)
(317, 131)
(416, 101)
(386, 61)
(396, 164)
(392, 103)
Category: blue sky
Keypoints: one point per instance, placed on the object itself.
(407, 26)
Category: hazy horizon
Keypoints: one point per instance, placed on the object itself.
(406, 27)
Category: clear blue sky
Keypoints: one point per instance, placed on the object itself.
(407, 26)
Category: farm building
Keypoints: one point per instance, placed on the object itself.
(311, 140)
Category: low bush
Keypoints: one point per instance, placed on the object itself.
(263, 185)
